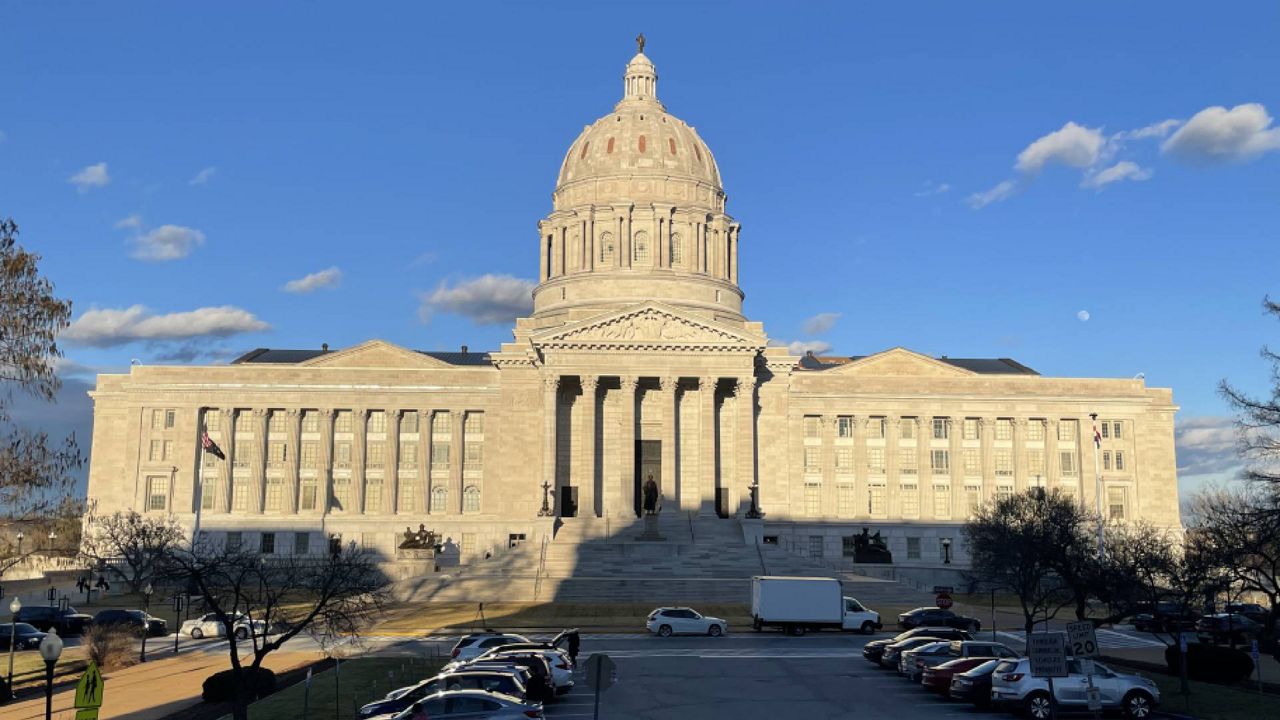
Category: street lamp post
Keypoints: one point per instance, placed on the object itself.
(14, 607)
(50, 650)
(946, 551)
(52, 536)
(754, 512)
(20, 536)
(146, 619)
(546, 497)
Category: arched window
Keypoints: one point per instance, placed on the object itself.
(471, 499)
(609, 149)
(642, 246)
(671, 143)
(677, 249)
(439, 499)
(606, 247)
(642, 142)
(585, 145)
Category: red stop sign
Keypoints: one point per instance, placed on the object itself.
(944, 601)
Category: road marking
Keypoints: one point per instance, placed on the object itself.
(1106, 639)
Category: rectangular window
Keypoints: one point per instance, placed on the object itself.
(1004, 429)
(277, 454)
(157, 492)
(409, 422)
(156, 449)
(167, 452)
(474, 424)
(812, 499)
(1069, 463)
(471, 499)
(972, 462)
(845, 500)
(373, 495)
(275, 491)
(875, 501)
(377, 422)
(1035, 462)
(1106, 430)
(973, 498)
(1067, 431)
(1004, 463)
(812, 460)
(908, 461)
(375, 455)
(908, 429)
(875, 461)
(1119, 460)
(302, 543)
(170, 419)
(942, 502)
(1116, 502)
(240, 494)
(1035, 430)
(815, 546)
(468, 544)
(408, 496)
(970, 428)
(941, 428)
(440, 454)
(941, 462)
(212, 420)
(844, 426)
(812, 426)
(342, 494)
(1069, 492)
(1115, 429)
(342, 422)
(244, 422)
(234, 539)
(208, 493)
(310, 421)
(1106, 458)
(307, 496)
(1004, 492)
(844, 460)
(441, 423)
(275, 423)
(342, 455)
(439, 498)
(913, 548)
(409, 455)
(268, 543)
(473, 459)
(849, 546)
(310, 454)
(909, 494)
(875, 428)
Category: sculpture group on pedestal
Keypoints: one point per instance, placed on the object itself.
(868, 548)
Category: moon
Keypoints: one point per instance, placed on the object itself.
(1083, 315)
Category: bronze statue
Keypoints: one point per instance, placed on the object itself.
(640, 42)
(650, 497)
(868, 548)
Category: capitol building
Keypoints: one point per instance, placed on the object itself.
(638, 361)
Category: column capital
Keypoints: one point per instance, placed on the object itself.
(742, 384)
(293, 413)
(894, 420)
(668, 382)
(630, 382)
(1019, 422)
(708, 381)
(551, 382)
(327, 413)
(259, 413)
(589, 382)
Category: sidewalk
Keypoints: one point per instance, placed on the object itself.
(151, 690)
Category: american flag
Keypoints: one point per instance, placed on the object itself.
(1097, 436)
(211, 447)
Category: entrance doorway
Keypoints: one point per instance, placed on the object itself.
(648, 465)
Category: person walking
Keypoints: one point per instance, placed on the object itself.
(575, 642)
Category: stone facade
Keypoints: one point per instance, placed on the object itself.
(637, 362)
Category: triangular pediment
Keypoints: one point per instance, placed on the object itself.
(649, 325)
(375, 354)
(900, 362)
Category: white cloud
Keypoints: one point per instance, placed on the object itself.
(91, 177)
(1154, 130)
(328, 278)
(133, 222)
(486, 300)
(203, 176)
(1216, 134)
(1123, 170)
(1083, 316)
(932, 188)
(1071, 145)
(999, 193)
(167, 242)
(820, 323)
(114, 327)
(801, 347)
(1207, 445)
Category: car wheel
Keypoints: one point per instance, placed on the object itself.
(797, 630)
(757, 625)
(1137, 704)
(868, 627)
(242, 633)
(1037, 706)
(197, 633)
(664, 631)
(715, 631)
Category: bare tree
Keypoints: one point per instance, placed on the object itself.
(328, 596)
(133, 544)
(1258, 419)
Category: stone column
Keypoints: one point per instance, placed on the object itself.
(1052, 475)
(733, 253)
(359, 437)
(892, 479)
(828, 460)
(544, 254)
(391, 456)
(670, 417)
(550, 396)
(324, 470)
(226, 467)
(859, 461)
(955, 447)
(293, 455)
(627, 475)
(924, 465)
(258, 472)
(587, 448)
(627, 240)
(707, 445)
(1022, 478)
(457, 441)
(987, 441)
(423, 479)
(589, 241)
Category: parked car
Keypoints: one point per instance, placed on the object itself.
(928, 656)
(487, 680)
(470, 646)
(208, 625)
(557, 659)
(800, 604)
(472, 705)
(874, 649)
(893, 653)
(668, 621)
(24, 636)
(1253, 611)
(541, 684)
(974, 685)
(1227, 629)
(135, 622)
(906, 664)
(1165, 617)
(938, 678)
(1013, 687)
(937, 616)
(558, 643)
(66, 622)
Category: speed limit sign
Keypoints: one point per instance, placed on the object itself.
(1082, 640)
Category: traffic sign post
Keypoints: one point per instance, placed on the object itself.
(1082, 640)
(1048, 655)
(943, 593)
(89, 692)
(601, 675)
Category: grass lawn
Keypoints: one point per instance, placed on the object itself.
(358, 682)
(1214, 702)
(28, 666)
(623, 616)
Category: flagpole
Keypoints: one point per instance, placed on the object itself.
(195, 532)
(1097, 486)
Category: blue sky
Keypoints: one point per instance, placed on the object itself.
(180, 158)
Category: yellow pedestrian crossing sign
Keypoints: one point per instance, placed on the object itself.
(89, 689)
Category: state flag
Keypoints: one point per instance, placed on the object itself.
(211, 447)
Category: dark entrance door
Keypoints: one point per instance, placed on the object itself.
(568, 501)
(648, 465)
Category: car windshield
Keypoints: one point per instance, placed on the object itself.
(985, 668)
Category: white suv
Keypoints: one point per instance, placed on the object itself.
(1013, 687)
(669, 621)
(470, 646)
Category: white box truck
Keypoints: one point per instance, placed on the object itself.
(800, 604)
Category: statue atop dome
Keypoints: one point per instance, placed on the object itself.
(640, 43)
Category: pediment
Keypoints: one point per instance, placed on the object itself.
(900, 362)
(375, 354)
(652, 325)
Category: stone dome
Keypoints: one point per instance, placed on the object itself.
(638, 139)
